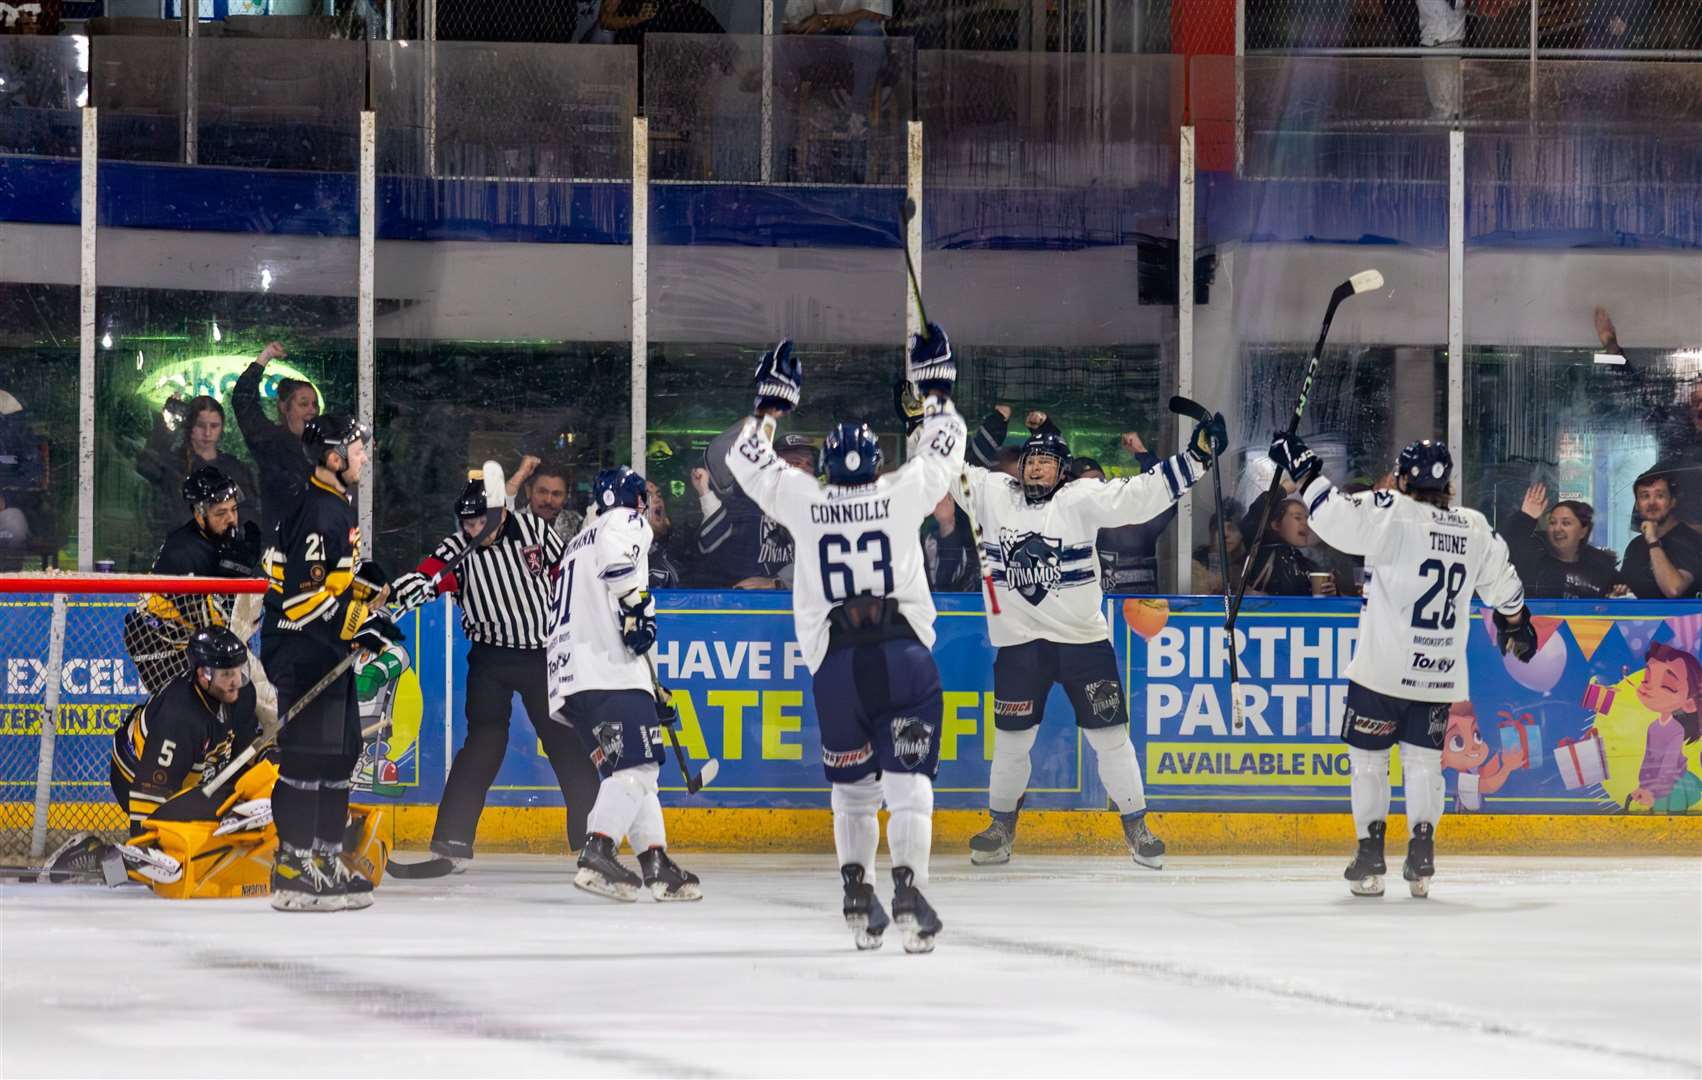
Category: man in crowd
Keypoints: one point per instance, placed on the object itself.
(547, 496)
(1664, 562)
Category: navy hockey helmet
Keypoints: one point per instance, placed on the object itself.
(1426, 465)
(619, 486)
(206, 486)
(850, 454)
(471, 503)
(216, 647)
(1043, 444)
(333, 431)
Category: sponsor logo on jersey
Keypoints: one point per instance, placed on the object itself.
(1439, 664)
(912, 740)
(846, 759)
(1105, 699)
(1369, 725)
(1034, 565)
(1013, 708)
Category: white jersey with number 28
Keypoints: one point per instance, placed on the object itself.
(608, 559)
(861, 540)
(1425, 562)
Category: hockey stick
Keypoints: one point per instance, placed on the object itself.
(962, 477)
(1364, 281)
(664, 697)
(1199, 413)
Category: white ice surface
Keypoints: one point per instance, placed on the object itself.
(1051, 966)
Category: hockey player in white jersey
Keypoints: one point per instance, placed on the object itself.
(601, 685)
(1425, 560)
(1038, 536)
(865, 619)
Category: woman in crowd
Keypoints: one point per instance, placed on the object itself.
(165, 464)
(1551, 549)
(1281, 566)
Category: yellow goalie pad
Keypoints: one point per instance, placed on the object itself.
(239, 864)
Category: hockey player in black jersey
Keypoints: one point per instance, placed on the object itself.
(320, 604)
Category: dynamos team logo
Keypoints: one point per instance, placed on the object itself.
(1034, 565)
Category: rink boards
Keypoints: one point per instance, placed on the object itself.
(1563, 737)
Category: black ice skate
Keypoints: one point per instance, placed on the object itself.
(356, 890)
(86, 856)
(992, 845)
(601, 872)
(664, 878)
(1146, 848)
(1365, 872)
(912, 912)
(863, 911)
(1420, 864)
(299, 883)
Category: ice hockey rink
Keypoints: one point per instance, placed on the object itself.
(1050, 966)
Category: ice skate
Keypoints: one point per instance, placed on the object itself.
(1146, 848)
(664, 878)
(601, 872)
(992, 845)
(1420, 863)
(1365, 872)
(863, 911)
(911, 910)
(299, 883)
(356, 890)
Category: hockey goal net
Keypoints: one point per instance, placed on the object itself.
(84, 650)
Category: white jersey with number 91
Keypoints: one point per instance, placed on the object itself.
(855, 540)
(608, 559)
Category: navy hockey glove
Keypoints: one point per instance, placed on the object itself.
(779, 378)
(412, 590)
(1519, 640)
(1210, 438)
(1292, 456)
(376, 633)
(239, 551)
(638, 621)
(931, 368)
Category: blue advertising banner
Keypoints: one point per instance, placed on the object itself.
(1603, 720)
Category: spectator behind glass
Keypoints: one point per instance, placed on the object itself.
(1442, 25)
(1282, 567)
(275, 447)
(14, 534)
(1665, 560)
(1681, 452)
(1551, 549)
(664, 568)
(948, 549)
(199, 427)
(1207, 570)
(547, 495)
(629, 20)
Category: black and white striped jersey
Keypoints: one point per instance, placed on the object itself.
(505, 589)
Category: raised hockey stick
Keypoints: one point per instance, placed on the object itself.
(664, 697)
(962, 477)
(1362, 282)
(1195, 411)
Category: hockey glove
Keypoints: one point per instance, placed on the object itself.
(377, 633)
(1291, 455)
(369, 581)
(1210, 438)
(412, 590)
(931, 367)
(906, 404)
(1519, 639)
(779, 379)
(638, 621)
(239, 551)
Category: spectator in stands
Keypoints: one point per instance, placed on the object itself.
(948, 549)
(1207, 571)
(22, 472)
(664, 568)
(630, 20)
(1282, 567)
(1665, 560)
(1442, 25)
(1551, 549)
(275, 447)
(14, 533)
(198, 428)
(860, 17)
(547, 495)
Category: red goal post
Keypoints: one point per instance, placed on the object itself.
(66, 651)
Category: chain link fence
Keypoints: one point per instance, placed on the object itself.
(1664, 25)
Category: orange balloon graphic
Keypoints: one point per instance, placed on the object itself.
(1146, 617)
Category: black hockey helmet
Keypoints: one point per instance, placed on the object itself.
(1043, 444)
(796, 448)
(619, 486)
(206, 486)
(216, 647)
(471, 503)
(850, 454)
(1426, 465)
(333, 431)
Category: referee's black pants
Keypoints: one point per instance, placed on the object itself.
(494, 676)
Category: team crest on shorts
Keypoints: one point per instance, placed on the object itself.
(1104, 699)
(1438, 723)
(611, 739)
(912, 739)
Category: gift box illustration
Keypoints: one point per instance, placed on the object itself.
(1598, 697)
(1522, 733)
(1582, 761)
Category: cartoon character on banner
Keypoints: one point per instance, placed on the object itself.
(378, 684)
(1478, 770)
(1671, 689)
(1549, 663)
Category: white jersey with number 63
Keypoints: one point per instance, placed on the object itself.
(850, 541)
(1425, 563)
(609, 558)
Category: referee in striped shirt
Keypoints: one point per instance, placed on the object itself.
(504, 588)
